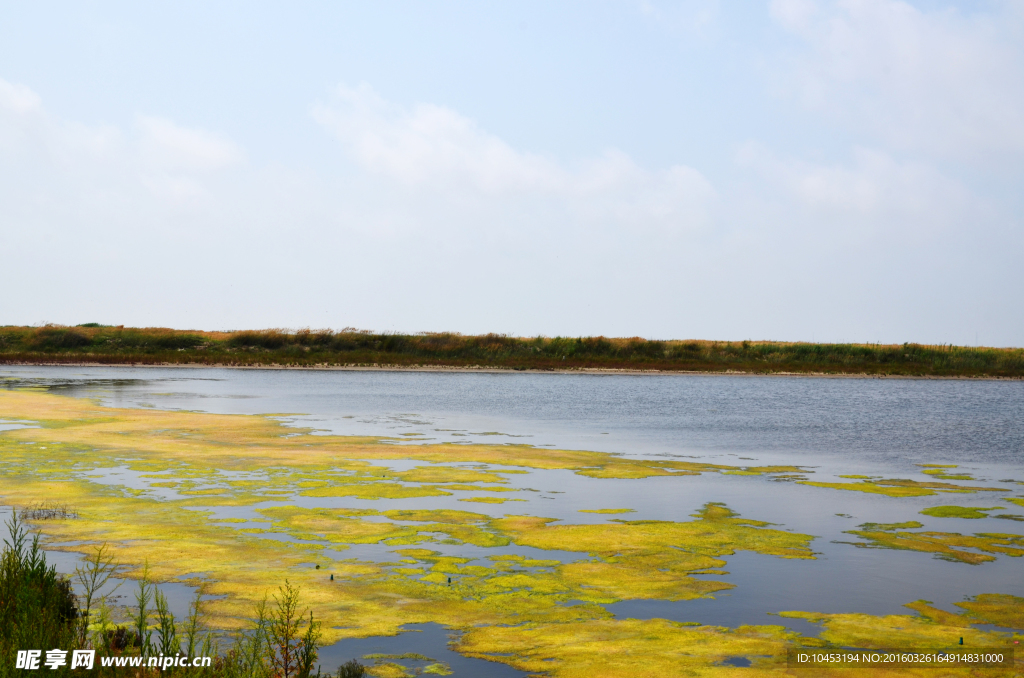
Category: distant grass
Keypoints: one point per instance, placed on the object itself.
(104, 344)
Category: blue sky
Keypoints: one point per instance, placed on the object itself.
(792, 169)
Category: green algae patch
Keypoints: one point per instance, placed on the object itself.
(247, 443)
(958, 512)
(436, 516)
(489, 500)
(899, 487)
(627, 648)
(931, 628)
(607, 511)
(938, 615)
(446, 474)
(995, 608)
(944, 475)
(944, 545)
(1019, 501)
(377, 491)
(389, 669)
(887, 527)
(652, 559)
(329, 525)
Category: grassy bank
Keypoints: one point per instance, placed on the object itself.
(123, 345)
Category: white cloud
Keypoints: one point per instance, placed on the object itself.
(18, 98)
(435, 149)
(794, 15)
(939, 82)
(168, 146)
(872, 185)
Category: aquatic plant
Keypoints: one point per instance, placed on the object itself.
(945, 545)
(969, 512)
(351, 669)
(38, 608)
(900, 487)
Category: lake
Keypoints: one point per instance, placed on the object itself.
(964, 433)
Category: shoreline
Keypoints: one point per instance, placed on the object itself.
(454, 369)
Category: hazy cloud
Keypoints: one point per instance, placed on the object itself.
(942, 82)
(435, 149)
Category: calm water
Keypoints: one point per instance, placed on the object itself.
(832, 426)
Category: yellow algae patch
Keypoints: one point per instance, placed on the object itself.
(166, 483)
(899, 631)
(160, 440)
(994, 608)
(476, 488)
(944, 475)
(609, 511)
(651, 559)
(958, 512)
(628, 648)
(938, 616)
(888, 527)
(718, 531)
(517, 561)
(489, 500)
(327, 524)
(437, 516)
(383, 490)
(899, 487)
(447, 474)
(209, 490)
(944, 545)
(1019, 501)
(176, 541)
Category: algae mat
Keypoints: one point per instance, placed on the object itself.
(242, 502)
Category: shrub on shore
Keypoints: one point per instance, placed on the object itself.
(39, 610)
(116, 345)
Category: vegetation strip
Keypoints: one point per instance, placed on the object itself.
(112, 345)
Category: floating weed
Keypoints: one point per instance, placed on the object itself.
(945, 545)
(447, 474)
(957, 512)
(378, 491)
(899, 487)
(886, 527)
(939, 473)
(999, 609)
(489, 500)
(475, 488)
(933, 628)
(625, 648)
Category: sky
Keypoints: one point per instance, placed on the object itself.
(795, 170)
